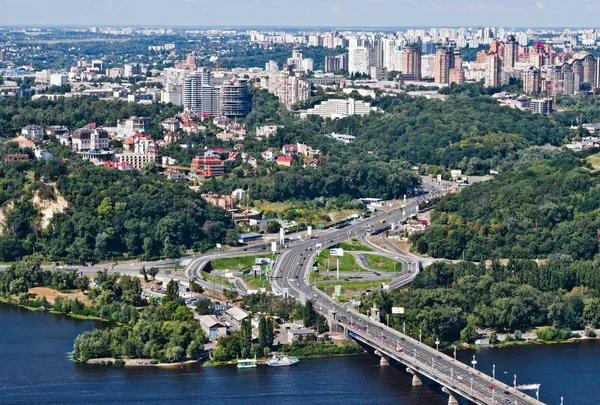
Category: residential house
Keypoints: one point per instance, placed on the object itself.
(284, 160)
(173, 137)
(300, 334)
(42, 154)
(89, 138)
(267, 131)
(221, 153)
(269, 155)
(141, 151)
(227, 202)
(33, 132)
(252, 161)
(23, 142)
(17, 157)
(290, 149)
(314, 163)
(171, 124)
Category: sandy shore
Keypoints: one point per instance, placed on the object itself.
(141, 362)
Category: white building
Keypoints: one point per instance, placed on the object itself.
(131, 126)
(89, 138)
(342, 138)
(358, 60)
(340, 108)
(58, 79)
(32, 132)
(267, 131)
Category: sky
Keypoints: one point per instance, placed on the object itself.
(303, 13)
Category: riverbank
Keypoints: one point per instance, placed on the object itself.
(137, 362)
(51, 311)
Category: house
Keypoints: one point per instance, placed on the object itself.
(57, 130)
(266, 131)
(171, 124)
(314, 163)
(284, 160)
(175, 174)
(342, 138)
(32, 132)
(42, 154)
(233, 156)
(173, 137)
(237, 314)
(212, 327)
(300, 334)
(18, 157)
(89, 138)
(221, 153)
(268, 155)
(227, 202)
(290, 149)
(252, 161)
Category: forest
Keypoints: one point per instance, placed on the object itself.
(543, 202)
(449, 301)
(110, 214)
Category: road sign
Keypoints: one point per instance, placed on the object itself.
(219, 246)
(256, 268)
(385, 287)
(339, 252)
(397, 310)
(273, 247)
(309, 230)
(338, 290)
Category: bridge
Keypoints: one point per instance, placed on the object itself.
(290, 278)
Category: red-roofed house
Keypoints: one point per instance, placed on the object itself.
(311, 163)
(284, 160)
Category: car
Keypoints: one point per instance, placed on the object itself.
(506, 393)
(402, 338)
(315, 295)
(440, 357)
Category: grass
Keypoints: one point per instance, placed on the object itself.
(236, 263)
(347, 263)
(217, 279)
(382, 263)
(352, 287)
(255, 283)
(271, 206)
(355, 245)
(594, 160)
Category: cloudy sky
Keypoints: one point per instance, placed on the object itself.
(390, 13)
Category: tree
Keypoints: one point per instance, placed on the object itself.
(230, 294)
(204, 306)
(195, 287)
(172, 291)
(273, 227)
(262, 333)
(518, 335)
(469, 333)
(232, 237)
(144, 273)
(152, 272)
(309, 315)
(246, 336)
(82, 283)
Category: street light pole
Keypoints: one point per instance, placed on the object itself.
(420, 331)
(494, 371)
(437, 345)
(515, 382)
(454, 352)
(474, 363)
(404, 328)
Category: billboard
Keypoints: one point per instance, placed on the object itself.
(397, 310)
(309, 230)
(337, 252)
(219, 246)
(273, 247)
(385, 287)
(338, 290)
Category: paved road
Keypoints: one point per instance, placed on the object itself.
(290, 276)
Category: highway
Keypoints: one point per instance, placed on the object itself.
(290, 276)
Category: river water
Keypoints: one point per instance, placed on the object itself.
(35, 369)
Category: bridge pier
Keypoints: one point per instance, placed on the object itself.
(452, 400)
(383, 361)
(416, 380)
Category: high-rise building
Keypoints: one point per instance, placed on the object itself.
(289, 87)
(457, 76)
(511, 52)
(589, 71)
(132, 69)
(444, 61)
(235, 99)
(532, 81)
(1, 55)
(358, 60)
(199, 95)
(411, 61)
(336, 63)
(493, 70)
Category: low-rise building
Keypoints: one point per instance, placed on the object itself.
(227, 202)
(207, 166)
(89, 138)
(16, 157)
(284, 160)
(237, 314)
(212, 327)
(249, 237)
(342, 138)
(33, 132)
(269, 155)
(300, 334)
(265, 132)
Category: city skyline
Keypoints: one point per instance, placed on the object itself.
(294, 13)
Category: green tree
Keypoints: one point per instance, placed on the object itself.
(172, 291)
(469, 333)
(144, 273)
(232, 237)
(153, 272)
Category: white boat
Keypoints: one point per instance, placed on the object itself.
(280, 361)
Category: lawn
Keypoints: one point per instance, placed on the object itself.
(382, 263)
(347, 263)
(217, 279)
(594, 160)
(236, 263)
(255, 283)
(355, 245)
(352, 287)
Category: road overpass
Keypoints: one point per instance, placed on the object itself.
(290, 277)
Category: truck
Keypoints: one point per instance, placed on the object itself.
(382, 221)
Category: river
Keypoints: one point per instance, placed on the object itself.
(35, 369)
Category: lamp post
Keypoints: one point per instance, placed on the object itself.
(420, 335)
(515, 382)
(494, 371)
(454, 352)
(474, 363)
(437, 345)
(404, 328)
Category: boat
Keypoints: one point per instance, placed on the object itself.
(280, 361)
(246, 363)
